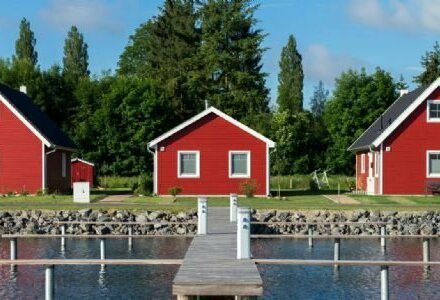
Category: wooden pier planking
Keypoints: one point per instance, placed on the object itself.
(211, 267)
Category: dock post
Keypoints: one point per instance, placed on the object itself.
(310, 237)
(337, 251)
(13, 244)
(49, 284)
(243, 233)
(384, 283)
(202, 216)
(63, 239)
(102, 246)
(426, 254)
(130, 239)
(233, 207)
(383, 232)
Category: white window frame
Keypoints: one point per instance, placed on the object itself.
(248, 174)
(429, 175)
(63, 164)
(363, 163)
(428, 119)
(197, 153)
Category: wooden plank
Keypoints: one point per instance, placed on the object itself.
(210, 267)
(32, 262)
(364, 263)
(297, 236)
(94, 236)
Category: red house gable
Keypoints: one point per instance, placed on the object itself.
(221, 153)
(404, 156)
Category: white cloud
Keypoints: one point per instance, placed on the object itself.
(321, 64)
(406, 15)
(86, 14)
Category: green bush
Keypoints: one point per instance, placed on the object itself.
(248, 187)
(175, 190)
(144, 185)
(313, 186)
(111, 182)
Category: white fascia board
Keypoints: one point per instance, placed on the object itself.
(82, 160)
(204, 113)
(25, 121)
(428, 91)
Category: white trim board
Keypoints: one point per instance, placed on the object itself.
(204, 113)
(406, 113)
(82, 160)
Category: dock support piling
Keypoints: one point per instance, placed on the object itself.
(383, 232)
(130, 239)
(202, 220)
(13, 248)
(49, 284)
(384, 293)
(233, 199)
(243, 233)
(337, 253)
(310, 237)
(102, 246)
(426, 254)
(63, 239)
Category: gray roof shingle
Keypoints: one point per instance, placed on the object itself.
(386, 119)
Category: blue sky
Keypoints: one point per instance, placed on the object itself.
(332, 35)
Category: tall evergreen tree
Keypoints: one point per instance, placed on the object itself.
(317, 102)
(75, 60)
(431, 65)
(231, 52)
(290, 78)
(25, 44)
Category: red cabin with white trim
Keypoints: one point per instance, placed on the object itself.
(82, 171)
(400, 152)
(34, 153)
(211, 154)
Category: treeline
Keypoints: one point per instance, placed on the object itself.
(192, 51)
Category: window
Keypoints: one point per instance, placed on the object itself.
(239, 164)
(188, 164)
(63, 164)
(433, 164)
(363, 163)
(433, 110)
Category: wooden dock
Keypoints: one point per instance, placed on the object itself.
(211, 267)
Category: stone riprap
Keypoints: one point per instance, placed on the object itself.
(45, 222)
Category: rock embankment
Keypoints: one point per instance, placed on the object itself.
(46, 222)
(398, 223)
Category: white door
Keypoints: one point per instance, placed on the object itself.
(370, 179)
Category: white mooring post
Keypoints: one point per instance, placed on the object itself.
(243, 233)
(383, 232)
(426, 254)
(233, 198)
(130, 239)
(202, 216)
(13, 248)
(49, 284)
(102, 246)
(337, 251)
(63, 239)
(384, 283)
(310, 237)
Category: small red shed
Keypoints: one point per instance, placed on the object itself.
(82, 171)
(211, 154)
(400, 152)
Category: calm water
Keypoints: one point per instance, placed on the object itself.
(280, 282)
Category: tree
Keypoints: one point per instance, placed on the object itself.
(75, 60)
(318, 100)
(25, 44)
(290, 78)
(431, 65)
(358, 100)
(231, 53)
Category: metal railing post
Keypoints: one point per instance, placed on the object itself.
(310, 237)
(383, 232)
(102, 248)
(243, 233)
(130, 239)
(337, 248)
(384, 293)
(49, 283)
(202, 216)
(63, 239)
(426, 254)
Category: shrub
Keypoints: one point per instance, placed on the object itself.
(248, 187)
(117, 181)
(144, 185)
(313, 186)
(175, 190)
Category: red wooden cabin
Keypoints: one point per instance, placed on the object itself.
(211, 154)
(400, 152)
(82, 171)
(34, 152)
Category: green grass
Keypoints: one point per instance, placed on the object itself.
(302, 182)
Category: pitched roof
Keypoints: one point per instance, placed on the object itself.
(82, 160)
(204, 113)
(393, 117)
(31, 115)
